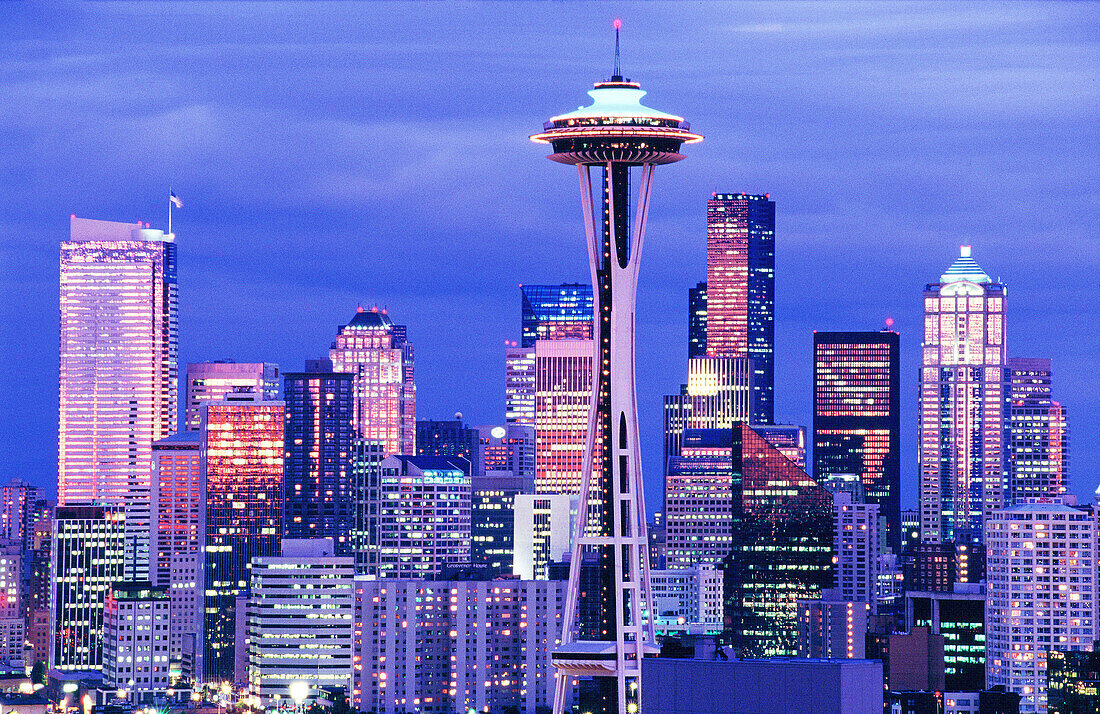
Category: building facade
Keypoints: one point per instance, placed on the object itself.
(244, 449)
(89, 556)
(563, 392)
(718, 395)
(832, 627)
(136, 634)
(424, 517)
(740, 288)
(556, 312)
(519, 385)
(542, 533)
(857, 417)
(449, 437)
(697, 321)
(1041, 593)
(119, 370)
(455, 646)
(959, 616)
(227, 380)
(376, 351)
(318, 487)
(857, 550)
(962, 403)
(300, 621)
(1038, 441)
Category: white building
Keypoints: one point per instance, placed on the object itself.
(118, 368)
(688, 599)
(455, 646)
(1040, 593)
(543, 532)
(856, 549)
(136, 634)
(300, 621)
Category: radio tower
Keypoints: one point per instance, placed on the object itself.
(610, 138)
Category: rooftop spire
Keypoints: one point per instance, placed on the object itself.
(617, 76)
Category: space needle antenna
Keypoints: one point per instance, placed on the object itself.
(618, 72)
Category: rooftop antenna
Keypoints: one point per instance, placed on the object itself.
(618, 75)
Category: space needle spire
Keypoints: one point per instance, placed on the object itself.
(613, 138)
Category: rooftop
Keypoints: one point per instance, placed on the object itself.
(965, 268)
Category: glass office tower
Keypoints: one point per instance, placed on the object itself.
(857, 417)
(320, 428)
(1038, 445)
(740, 289)
(556, 312)
(244, 514)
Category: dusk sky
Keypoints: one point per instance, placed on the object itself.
(330, 155)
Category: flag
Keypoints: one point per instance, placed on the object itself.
(175, 199)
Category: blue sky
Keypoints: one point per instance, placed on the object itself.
(332, 154)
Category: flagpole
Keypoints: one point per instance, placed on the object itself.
(169, 211)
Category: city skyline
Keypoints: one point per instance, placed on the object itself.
(829, 274)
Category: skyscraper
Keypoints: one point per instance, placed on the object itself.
(18, 512)
(179, 531)
(717, 396)
(505, 468)
(89, 554)
(136, 634)
(697, 321)
(226, 379)
(320, 429)
(740, 288)
(519, 385)
(556, 312)
(1038, 448)
(1041, 593)
(962, 402)
(857, 417)
(244, 514)
(118, 369)
(609, 138)
(563, 392)
(424, 518)
(782, 545)
(449, 437)
(856, 550)
(377, 352)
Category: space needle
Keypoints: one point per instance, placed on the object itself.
(613, 138)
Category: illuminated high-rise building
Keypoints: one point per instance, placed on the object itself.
(519, 385)
(962, 403)
(504, 468)
(243, 442)
(743, 495)
(1040, 593)
(556, 312)
(226, 379)
(717, 396)
(136, 634)
(118, 369)
(563, 392)
(179, 531)
(376, 351)
(697, 321)
(18, 512)
(740, 288)
(612, 137)
(857, 417)
(89, 554)
(1038, 449)
(789, 439)
(320, 428)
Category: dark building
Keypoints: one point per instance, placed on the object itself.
(781, 549)
(857, 417)
(556, 312)
(936, 567)
(740, 320)
(449, 438)
(493, 515)
(320, 429)
(959, 617)
(910, 529)
(366, 475)
(1073, 681)
(697, 321)
(1036, 440)
(916, 661)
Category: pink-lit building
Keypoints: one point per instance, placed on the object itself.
(563, 392)
(962, 402)
(374, 349)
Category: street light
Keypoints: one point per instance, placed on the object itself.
(299, 690)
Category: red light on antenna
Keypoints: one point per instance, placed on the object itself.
(359, 308)
(618, 23)
(374, 308)
(767, 195)
(889, 322)
(72, 215)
